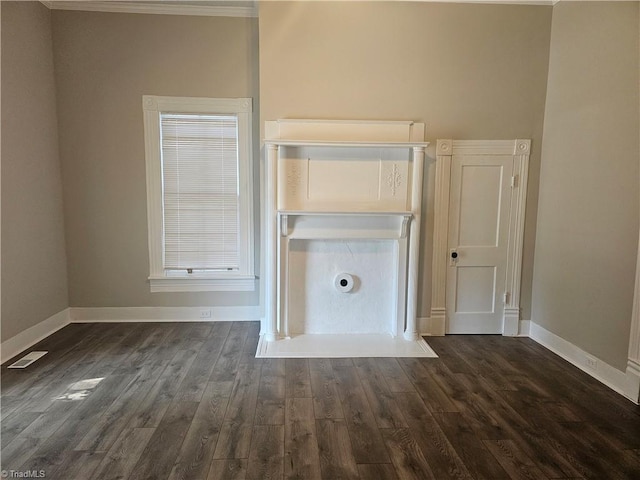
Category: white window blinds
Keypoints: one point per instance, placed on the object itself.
(200, 192)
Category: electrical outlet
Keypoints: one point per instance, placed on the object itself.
(205, 313)
(592, 363)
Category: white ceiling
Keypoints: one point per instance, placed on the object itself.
(227, 8)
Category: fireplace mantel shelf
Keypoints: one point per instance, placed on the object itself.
(343, 144)
(377, 213)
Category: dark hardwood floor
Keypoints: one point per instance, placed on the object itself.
(190, 401)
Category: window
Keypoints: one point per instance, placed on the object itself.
(199, 195)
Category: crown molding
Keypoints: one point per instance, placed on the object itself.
(158, 8)
(494, 2)
(162, 8)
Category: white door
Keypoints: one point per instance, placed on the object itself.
(478, 234)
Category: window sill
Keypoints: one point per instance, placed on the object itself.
(240, 283)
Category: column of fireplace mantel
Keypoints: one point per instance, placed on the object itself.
(271, 284)
(411, 329)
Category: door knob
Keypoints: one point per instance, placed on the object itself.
(454, 255)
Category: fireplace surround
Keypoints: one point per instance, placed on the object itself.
(342, 217)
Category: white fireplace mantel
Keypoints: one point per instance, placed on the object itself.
(334, 186)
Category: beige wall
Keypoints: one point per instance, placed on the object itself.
(34, 264)
(467, 71)
(104, 64)
(587, 233)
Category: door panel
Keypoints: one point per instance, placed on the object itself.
(479, 205)
(475, 290)
(478, 233)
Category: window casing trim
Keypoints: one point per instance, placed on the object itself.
(244, 278)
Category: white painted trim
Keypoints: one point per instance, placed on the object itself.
(524, 328)
(223, 11)
(344, 133)
(515, 245)
(495, 2)
(613, 378)
(29, 337)
(331, 134)
(488, 147)
(430, 326)
(425, 326)
(271, 326)
(163, 314)
(341, 346)
(413, 268)
(158, 8)
(633, 381)
(519, 149)
(186, 284)
(440, 237)
(633, 363)
(153, 106)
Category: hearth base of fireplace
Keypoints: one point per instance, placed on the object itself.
(341, 346)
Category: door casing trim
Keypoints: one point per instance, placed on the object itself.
(519, 149)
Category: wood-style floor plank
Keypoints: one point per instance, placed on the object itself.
(383, 403)
(443, 458)
(397, 380)
(302, 456)
(529, 439)
(153, 406)
(432, 394)
(233, 469)
(297, 380)
(366, 440)
(51, 452)
(195, 381)
(379, 471)
(162, 449)
(124, 454)
(471, 450)
(199, 444)
(169, 401)
(15, 425)
(326, 402)
(117, 417)
(78, 465)
(514, 461)
(271, 393)
(226, 367)
(266, 457)
(406, 455)
(334, 444)
(235, 435)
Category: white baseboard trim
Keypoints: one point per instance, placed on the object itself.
(425, 326)
(633, 381)
(613, 378)
(524, 328)
(32, 335)
(163, 314)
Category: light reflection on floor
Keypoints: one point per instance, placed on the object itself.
(80, 390)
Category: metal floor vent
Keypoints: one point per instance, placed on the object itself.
(27, 360)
